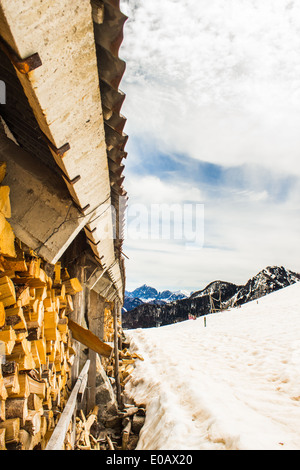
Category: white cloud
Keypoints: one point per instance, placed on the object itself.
(152, 190)
(219, 82)
(216, 80)
(244, 231)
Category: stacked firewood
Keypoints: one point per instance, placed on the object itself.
(7, 237)
(36, 350)
(126, 365)
(131, 416)
(126, 358)
(108, 335)
(84, 439)
(123, 435)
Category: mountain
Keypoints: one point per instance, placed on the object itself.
(216, 296)
(146, 294)
(268, 280)
(238, 391)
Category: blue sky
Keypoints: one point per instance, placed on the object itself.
(213, 118)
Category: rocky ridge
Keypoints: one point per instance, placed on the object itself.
(216, 296)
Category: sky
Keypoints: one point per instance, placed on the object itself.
(213, 119)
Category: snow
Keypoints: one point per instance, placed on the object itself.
(232, 385)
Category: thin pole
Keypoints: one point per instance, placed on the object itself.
(91, 395)
(116, 353)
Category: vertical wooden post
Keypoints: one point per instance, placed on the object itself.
(116, 354)
(119, 317)
(91, 388)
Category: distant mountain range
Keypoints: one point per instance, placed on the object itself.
(145, 307)
(147, 294)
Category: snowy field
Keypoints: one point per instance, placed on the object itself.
(232, 385)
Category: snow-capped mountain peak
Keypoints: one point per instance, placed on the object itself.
(216, 296)
(148, 294)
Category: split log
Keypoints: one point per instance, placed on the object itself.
(2, 227)
(57, 274)
(12, 429)
(15, 318)
(16, 263)
(41, 293)
(3, 391)
(36, 387)
(7, 291)
(5, 207)
(11, 383)
(2, 171)
(2, 439)
(7, 240)
(33, 422)
(7, 340)
(35, 402)
(23, 387)
(40, 345)
(2, 411)
(16, 408)
(24, 439)
(9, 368)
(91, 419)
(125, 435)
(34, 331)
(50, 320)
(2, 314)
(22, 347)
(26, 361)
(72, 286)
(23, 296)
(70, 306)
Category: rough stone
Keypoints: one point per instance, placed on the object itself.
(105, 396)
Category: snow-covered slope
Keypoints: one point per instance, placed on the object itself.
(234, 384)
(218, 295)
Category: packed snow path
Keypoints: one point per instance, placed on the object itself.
(234, 384)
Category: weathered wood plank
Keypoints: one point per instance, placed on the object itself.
(56, 441)
(90, 340)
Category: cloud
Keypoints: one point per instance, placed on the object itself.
(213, 117)
(244, 231)
(216, 80)
(153, 190)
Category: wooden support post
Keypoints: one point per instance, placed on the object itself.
(91, 395)
(119, 317)
(116, 355)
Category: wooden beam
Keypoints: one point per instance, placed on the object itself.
(90, 340)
